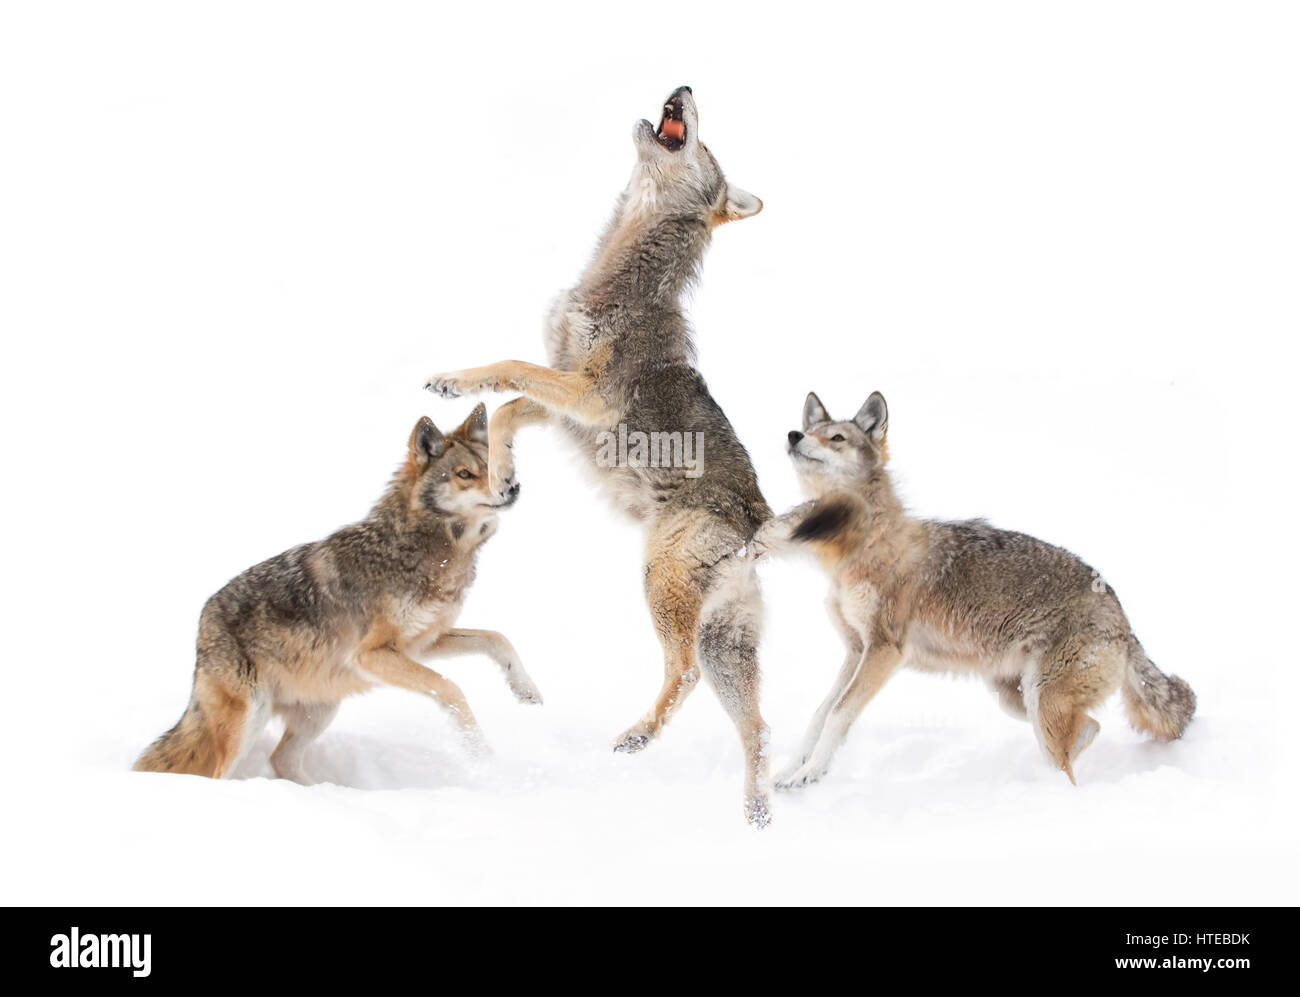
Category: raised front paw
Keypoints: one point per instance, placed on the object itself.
(451, 385)
(505, 490)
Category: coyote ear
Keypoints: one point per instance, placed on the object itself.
(814, 411)
(740, 204)
(873, 417)
(475, 427)
(426, 442)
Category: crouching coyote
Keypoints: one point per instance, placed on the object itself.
(298, 633)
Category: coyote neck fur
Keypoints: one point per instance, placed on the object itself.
(866, 524)
(885, 513)
(641, 265)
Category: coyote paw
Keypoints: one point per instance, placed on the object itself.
(501, 479)
(632, 741)
(528, 694)
(294, 773)
(799, 776)
(507, 494)
(476, 745)
(757, 812)
(446, 385)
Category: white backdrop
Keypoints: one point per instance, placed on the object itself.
(234, 237)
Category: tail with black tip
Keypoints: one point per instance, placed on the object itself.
(829, 517)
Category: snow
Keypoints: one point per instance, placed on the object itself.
(234, 240)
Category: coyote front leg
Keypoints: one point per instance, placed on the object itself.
(567, 392)
(853, 651)
(389, 666)
(675, 602)
(878, 663)
(507, 420)
(495, 646)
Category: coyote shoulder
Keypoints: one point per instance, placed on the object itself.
(1042, 628)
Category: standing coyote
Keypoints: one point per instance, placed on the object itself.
(298, 633)
(622, 360)
(1040, 626)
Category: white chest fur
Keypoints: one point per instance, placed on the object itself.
(419, 622)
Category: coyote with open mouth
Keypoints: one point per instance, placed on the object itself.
(620, 355)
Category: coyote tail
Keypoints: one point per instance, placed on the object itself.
(186, 748)
(1159, 704)
(834, 517)
(206, 739)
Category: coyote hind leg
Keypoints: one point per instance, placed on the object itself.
(303, 723)
(1071, 679)
(1064, 729)
(1010, 698)
(729, 654)
(675, 600)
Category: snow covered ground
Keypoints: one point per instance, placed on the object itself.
(1062, 241)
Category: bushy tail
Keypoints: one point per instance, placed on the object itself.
(835, 520)
(1159, 704)
(206, 740)
(186, 748)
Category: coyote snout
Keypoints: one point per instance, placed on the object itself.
(676, 174)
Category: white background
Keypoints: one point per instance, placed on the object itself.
(1061, 239)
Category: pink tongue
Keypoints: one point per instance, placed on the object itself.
(673, 129)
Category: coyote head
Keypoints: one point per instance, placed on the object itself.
(448, 475)
(675, 174)
(837, 456)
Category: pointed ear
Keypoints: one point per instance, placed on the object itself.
(873, 417)
(740, 204)
(814, 411)
(475, 428)
(426, 442)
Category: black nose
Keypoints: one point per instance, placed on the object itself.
(795, 436)
(681, 88)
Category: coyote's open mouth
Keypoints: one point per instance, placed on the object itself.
(672, 129)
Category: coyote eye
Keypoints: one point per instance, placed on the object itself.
(837, 438)
(462, 473)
